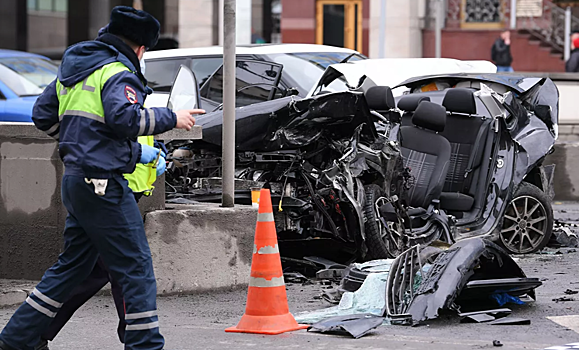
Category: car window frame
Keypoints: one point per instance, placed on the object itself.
(193, 58)
(186, 62)
(275, 86)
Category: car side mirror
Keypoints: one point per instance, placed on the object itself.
(185, 91)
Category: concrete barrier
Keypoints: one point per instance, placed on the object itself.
(32, 216)
(201, 247)
(31, 211)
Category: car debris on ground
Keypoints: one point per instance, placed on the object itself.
(355, 325)
(470, 278)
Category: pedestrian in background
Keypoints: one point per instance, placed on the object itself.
(95, 110)
(572, 64)
(501, 53)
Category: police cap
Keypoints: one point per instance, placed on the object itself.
(137, 26)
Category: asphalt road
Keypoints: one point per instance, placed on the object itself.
(198, 321)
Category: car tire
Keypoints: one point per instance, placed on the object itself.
(377, 247)
(527, 223)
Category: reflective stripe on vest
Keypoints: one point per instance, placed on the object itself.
(142, 179)
(84, 98)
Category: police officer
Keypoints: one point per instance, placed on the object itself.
(141, 183)
(94, 108)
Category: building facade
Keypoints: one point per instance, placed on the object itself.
(403, 28)
(472, 26)
(49, 26)
(355, 24)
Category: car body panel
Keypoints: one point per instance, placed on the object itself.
(393, 71)
(467, 262)
(519, 84)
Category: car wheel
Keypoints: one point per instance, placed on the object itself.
(528, 221)
(381, 241)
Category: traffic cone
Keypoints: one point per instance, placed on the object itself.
(266, 311)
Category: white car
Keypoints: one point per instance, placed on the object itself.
(301, 66)
(391, 72)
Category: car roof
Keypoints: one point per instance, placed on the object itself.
(13, 53)
(259, 49)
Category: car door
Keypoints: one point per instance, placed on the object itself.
(184, 91)
(256, 81)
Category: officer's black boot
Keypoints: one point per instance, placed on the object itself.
(5, 346)
(43, 345)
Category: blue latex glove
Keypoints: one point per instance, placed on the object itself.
(149, 154)
(161, 165)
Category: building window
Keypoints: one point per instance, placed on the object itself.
(483, 14)
(48, 5)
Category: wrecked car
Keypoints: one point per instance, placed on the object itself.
(359, 175)
(500, 129)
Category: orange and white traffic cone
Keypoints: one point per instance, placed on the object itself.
(266, 311)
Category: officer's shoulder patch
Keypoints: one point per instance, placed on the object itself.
(131, 94)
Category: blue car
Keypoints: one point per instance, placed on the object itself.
(23, 76)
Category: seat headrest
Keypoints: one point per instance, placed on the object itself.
(430, 116)
(380, 98)
(409, 103)
(459, 101)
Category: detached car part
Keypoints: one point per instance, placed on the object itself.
(473, 260)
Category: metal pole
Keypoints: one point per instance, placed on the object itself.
(567, 33)
(382, 47)
(439, 12)
(228, 161)
(513, 14)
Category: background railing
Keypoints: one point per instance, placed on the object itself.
(549, 26)
(541, 18)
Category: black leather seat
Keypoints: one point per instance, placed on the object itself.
(426, 153)
(466, 132)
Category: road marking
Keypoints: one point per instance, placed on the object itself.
(569, 321)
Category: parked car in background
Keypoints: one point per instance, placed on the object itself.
(23, 77)
(303, 65)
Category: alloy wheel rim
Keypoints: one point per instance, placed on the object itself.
(525, 225)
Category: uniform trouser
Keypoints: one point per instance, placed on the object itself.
(97, 279)
(111, 226)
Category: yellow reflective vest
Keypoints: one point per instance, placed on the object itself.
(142, 179)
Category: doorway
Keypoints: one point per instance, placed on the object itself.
(339, 23)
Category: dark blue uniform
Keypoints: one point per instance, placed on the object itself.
(95, 111)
